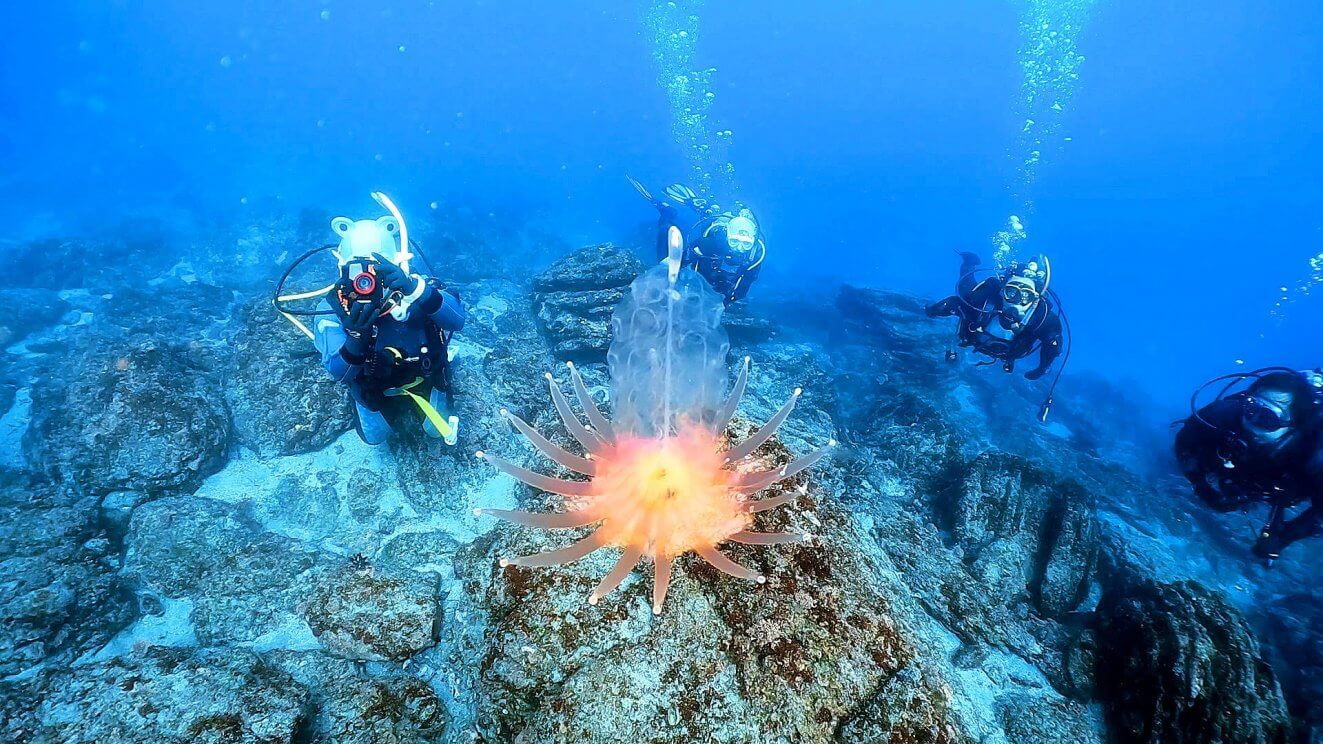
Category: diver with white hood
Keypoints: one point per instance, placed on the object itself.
(382, 330)
(1009, 316)
(723, 247)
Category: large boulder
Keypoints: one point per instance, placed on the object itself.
(146, 418)
(576, 296)
(283, 400)
(241, 583)
(162, 695)
(1026, 533)
(61, 596)
(35, 309)
(1177, 663)
(1291, 635)
(358, 614)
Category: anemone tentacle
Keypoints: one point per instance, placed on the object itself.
(765, 433)
(538, 480)
(545, 446)
(590, 409)
(594, 445)
(558, 557)
(661, 581)
(623, 567)
(727, 411)
(762, 505)
(541, 520)
(720, 562)
(768, 538)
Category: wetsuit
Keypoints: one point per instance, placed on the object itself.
(986, 329)
(399, 352)
(708, 252)
(1231, 470)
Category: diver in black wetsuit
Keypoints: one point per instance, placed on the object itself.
(1006, 317)
(723, 247)
(1262, 445)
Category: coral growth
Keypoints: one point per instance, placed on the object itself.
(653, 497)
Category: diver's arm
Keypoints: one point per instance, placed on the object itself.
(1049, 347)
(329, 337)
(740, 289)
(442, 306)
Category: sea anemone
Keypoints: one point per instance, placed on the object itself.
(654, 497)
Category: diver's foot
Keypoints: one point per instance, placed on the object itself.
(969, 260)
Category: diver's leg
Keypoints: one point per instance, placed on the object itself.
(438, 401)
(666, 219)
(372, 427)
(943, 308)
(968, 264)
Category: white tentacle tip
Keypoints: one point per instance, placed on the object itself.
(656, 610)
(479, 454)
(477, 512)
(547, 375)
(592, 599)
(504, 562)
(505, 413)
(799, 392)
(831, 442)
(570, 365)
(760, 579)
(747, 359)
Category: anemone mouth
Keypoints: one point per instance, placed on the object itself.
(653, 498)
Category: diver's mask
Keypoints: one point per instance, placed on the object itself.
(1019, 297)
(741, 234)
(1267, 416)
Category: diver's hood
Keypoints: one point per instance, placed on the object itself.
(1037, 270)
(361, 238)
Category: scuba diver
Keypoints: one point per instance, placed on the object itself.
(1260, 445)
(723, 247)
(1008, 317)
(381, 330)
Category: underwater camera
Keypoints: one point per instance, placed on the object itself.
(359, 283)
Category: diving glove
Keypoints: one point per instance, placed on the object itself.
(393, 277)
(357, 322)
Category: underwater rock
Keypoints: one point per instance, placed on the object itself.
(163, 695)
(282, 399)
(40, 309)
(243, 583)
(575, 297)
(726, 660)
(1022, 530)
(61, 596)
(121, 256)
(146, 417)
(352, 706)
(357, 614)
(912, 706)
(1177, 663)
(1290, 636)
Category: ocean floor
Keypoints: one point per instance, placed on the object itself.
(197, 547)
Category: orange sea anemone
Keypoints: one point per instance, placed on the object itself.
(653, 497)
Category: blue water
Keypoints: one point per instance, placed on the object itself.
(872, 138)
